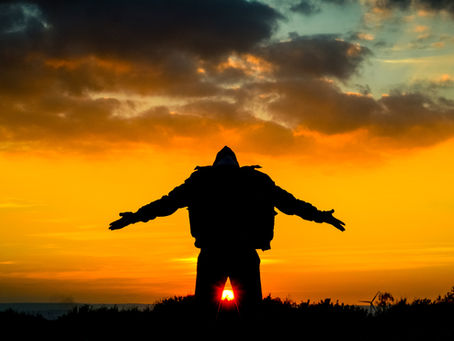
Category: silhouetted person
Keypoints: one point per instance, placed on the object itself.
(231, 214)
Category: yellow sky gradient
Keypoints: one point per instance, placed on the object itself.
(55, 212)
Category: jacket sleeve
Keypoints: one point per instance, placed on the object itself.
(288, 204)
(167, 205)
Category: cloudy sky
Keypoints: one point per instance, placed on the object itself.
(107, 105)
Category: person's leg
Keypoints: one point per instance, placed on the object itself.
(245, 278)
(210, 281)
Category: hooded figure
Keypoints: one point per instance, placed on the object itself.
(227, 157)
(231, 214)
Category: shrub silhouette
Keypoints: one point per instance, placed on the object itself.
(385, 299)
(397, 319)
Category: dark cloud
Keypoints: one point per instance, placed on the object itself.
(319, 105)
(148, 29)
(140, 46)
(363, 89)
(446, 102)
(33, 75)
(227, 113)
(380, 44)
(61, 121)
(403, 5)
(339, 2)
(414, 119)
(323, 55)
(13, 18)
(72, 73)
(411, 119)
(311, 7)
(393, 4)
(437, 5)
(269, 137)
(306, 7)
(430, 87)
(55, 58)
(19, 17)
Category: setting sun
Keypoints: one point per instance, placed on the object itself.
(227, 295)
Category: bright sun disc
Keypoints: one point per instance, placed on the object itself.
(227, 295)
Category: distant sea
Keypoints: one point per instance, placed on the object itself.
(52, 311)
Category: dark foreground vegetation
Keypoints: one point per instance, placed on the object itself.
(174, 318)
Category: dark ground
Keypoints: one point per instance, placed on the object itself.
(174, 318)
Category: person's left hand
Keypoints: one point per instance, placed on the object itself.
(126, 219)
(333, 221)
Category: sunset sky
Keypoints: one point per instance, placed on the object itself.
(108, 105)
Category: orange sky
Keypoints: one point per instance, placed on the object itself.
(346, 104)
(56, 209)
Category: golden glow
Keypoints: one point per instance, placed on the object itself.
(55, 213)
(227, 295)
(250, 64)
(366, 36)
(103, 63)
(354, 50)
(420, 28)
(446, 78)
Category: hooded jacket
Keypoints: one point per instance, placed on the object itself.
(230, 206)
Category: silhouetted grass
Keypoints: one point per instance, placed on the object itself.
(421, 319)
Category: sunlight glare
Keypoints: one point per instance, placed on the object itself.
(227, 295)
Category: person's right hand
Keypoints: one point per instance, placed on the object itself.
(333, 221)
(126, 219)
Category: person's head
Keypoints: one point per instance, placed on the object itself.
(226, 157)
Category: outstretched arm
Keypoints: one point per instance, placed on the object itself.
(165, 206)
(288, 204)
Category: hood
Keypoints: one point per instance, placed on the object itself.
(226, 157)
